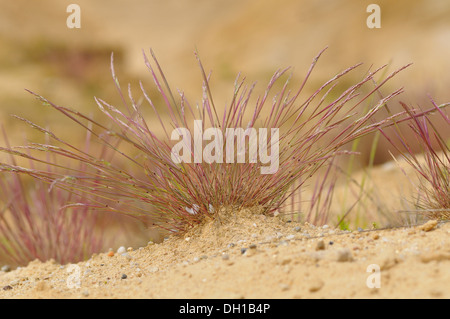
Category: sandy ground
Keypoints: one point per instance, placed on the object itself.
(244, 254)
(253, 256)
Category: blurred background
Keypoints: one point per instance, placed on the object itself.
(255, 37)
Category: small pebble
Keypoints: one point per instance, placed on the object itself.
(6, 268)
(284, 287)
(344, 255)
(110, 254)
(315, 285)
(121, 250)
(130, 249)
(124, 276)
(230, 245)
(86, 293)
(243, 250)
(297, 229)
(360, 229)
(8, 287)
(290, 237)
(252, 246)
(331, 242)
(320, 245)
(429, 225)
(225, 257)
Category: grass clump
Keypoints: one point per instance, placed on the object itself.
(38, 222)
(143, 180)
(426, 151)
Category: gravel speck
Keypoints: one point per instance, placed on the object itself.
(124, 276)
(429, 225)
(320, 245)
(6, 268)
(344, 255)
(121, 250)
(315, 285)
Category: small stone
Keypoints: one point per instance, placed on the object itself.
(429, 225)
(315, 285)
(121, 250)
(225, 257)
(6, 268)
(130, 249)
(297, 229)
(325, 227)
(231, 245)
(375, 236)
(331, 243)
(344, 255)
(8, 287)
(284, 287)
(252, 246)
(124, 276)
(290, 237)
(243, 250)
(320, 245)
(110, 254)
(250, 252)
(150, 243)
(285, 261)
(85, 293)
(360, 229)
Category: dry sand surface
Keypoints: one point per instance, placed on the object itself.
(244, 254)
(253, 256)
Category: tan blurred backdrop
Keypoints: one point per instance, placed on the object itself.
(256, 37)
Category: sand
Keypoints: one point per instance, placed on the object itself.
(248, 255)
